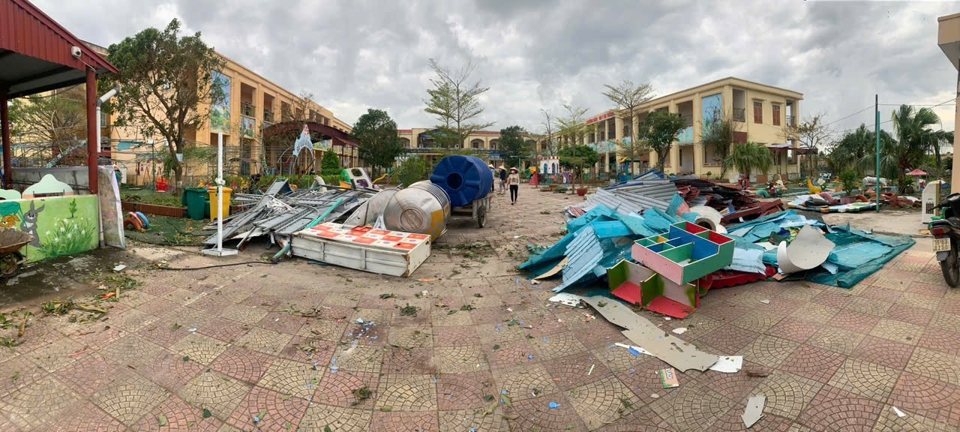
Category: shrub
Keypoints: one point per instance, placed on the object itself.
(849, 180)
(330, 164)
(410, 171)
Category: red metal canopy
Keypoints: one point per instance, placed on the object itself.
(917, 173)
(38, 55)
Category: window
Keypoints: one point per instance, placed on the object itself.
(758, 112)
(776, 115)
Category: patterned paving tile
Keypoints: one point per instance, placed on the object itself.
(695, 407)
(936, 365)
(794, 329)
(870, 306)
(263, 340)
(358, 358)
(602, 402)
(729, 338)
(836, 339)
(471, 420)
(292, 378)
(131, 350)
(574, 371)
(455, 336)
(129, 397)
(465, 390)
(927, 397)
(405, 421)
(199, 348)
(85, 416)
(407, 393)
(853, 321)
(889, 421)
(836, 410)
(813, 363)
(242, 364)
(919, 300)
(308, 350)
(244, 314)
(265, 409)
(319, 418)
(170, 370)
(884, 352)
(409, 361)
(179, 416)
(768, 350)
(946, 342)
(39, 402)
(557, 345)
(909, 314)
(865, 379)
(897, 331)
(215, 392)
(815, 313)
(460, 359)
(787, 394)
(536, 414)
(343, 389)
(57, 355)
(86, 376)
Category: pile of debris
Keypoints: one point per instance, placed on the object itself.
(281, 211)
(662, 244)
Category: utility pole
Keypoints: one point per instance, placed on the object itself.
(876, 103)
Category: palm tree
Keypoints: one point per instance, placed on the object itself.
(747, 157)
(857, 149)
(913, 139)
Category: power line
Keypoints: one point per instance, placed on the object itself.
(851, 115)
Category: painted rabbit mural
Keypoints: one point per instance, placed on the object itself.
(29, 224)
(60, 226)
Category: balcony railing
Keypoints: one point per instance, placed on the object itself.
(790, 121)
(268, 116)
(740, 114)
(687, 119)
(248, 109)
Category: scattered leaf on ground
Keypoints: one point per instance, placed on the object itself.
(162, 419)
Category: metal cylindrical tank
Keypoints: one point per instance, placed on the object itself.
(465, 179)
(437, 192)
(377, 204)
(417, 210)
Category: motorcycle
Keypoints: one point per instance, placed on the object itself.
(946, 239)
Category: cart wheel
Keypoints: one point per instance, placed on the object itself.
(9, 264)
(481, 215)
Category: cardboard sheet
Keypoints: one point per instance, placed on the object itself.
(753, 412)
(672, 350)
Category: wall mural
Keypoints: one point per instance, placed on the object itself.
(712, 109)
(60, 226)
(220, 112)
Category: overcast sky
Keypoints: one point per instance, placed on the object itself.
(354, 55)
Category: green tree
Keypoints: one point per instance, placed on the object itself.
(574, 126)
(748, 157)
(914, 138)
(51, 124)
(330, 164)
(720, 134)
(578, 158)
(379, 143)
(659, 130)
(163, 80)
(811, 133)
(628, 97)
(512, 145)
(455, 101)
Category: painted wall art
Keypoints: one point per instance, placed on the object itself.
(60, 226)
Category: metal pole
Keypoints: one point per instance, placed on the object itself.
(220, 192)
(877, 109)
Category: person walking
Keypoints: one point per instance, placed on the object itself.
(503, 179)
(513, 180)
(493, 172)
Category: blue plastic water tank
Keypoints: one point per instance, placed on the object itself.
(464, 178)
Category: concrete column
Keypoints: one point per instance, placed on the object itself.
(93, 147)
(698, 135)
(618, 126)
(675, 148)
(5, 138)
(954, 178)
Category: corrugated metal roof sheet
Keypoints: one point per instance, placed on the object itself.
(583, 254)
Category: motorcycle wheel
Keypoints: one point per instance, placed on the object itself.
(951, 268)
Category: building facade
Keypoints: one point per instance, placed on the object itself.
(251, 103)
(759, 113)
(485, 144)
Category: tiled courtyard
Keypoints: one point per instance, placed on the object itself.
(281, 347)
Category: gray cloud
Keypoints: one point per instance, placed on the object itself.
(353, 55)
